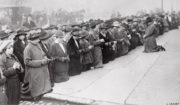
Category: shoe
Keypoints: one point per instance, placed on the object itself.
(38, 98)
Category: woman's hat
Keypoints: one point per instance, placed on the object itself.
(5, 44)
(59, 34)
(116, 24)
(20, 32)
(149, 19)
(83, 34)
(76, 28)
(3, 35)
(103, 26)
(34, 34)
(44, 35)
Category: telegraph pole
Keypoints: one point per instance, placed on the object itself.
(162, 5)
(172, 6)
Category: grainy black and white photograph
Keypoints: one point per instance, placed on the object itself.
(89, 52)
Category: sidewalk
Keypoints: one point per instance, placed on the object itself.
(135, 79)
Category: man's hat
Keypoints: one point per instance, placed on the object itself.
(3, 35)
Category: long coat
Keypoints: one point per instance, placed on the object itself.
(12, 83)
(46, 44)
(96, 52)
(86, 55)
(60, 68)
(36, 74)
(150, 44)
(75, 67)
(122, 41)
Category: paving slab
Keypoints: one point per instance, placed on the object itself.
(162, 84)
(137, 78)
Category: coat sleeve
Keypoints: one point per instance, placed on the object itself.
(150, 30)
(52, 50)
(9, 72)
(2, 81)
(29, 61)
(6, 71)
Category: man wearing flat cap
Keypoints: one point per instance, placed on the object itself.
(37, 73)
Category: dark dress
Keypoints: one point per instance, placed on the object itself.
(107, 50)
(75, 67)
(19, 47)
(3, 97)
(12, 83)
(86, 58)
(60, 68)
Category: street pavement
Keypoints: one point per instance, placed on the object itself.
(134, 79)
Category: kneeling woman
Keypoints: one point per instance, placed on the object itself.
(11, 68)
(150, 44)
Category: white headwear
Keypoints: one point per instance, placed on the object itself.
(4, 44)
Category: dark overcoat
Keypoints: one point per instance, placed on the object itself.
(19, 53)
(150, 43)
